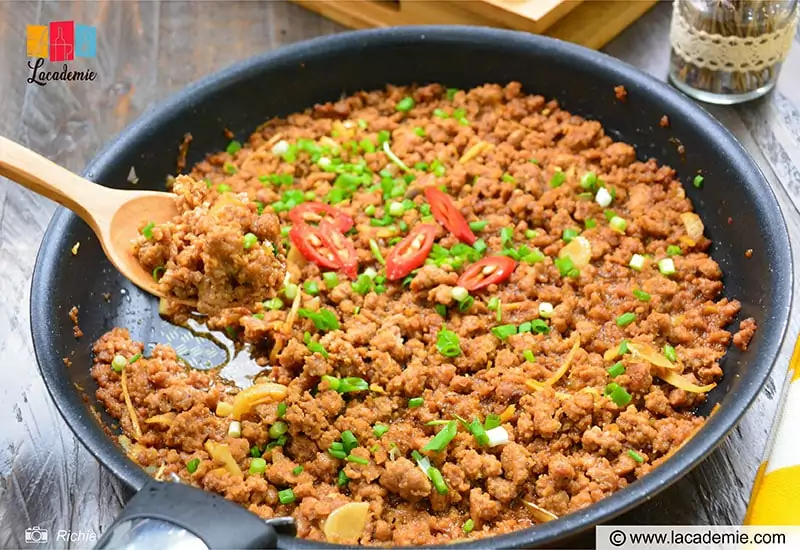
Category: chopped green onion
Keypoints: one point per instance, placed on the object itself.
(297, 470)
(566, 267)
(324, 319)
(616, 369)
(603, 197)
(235, 429)
(347, 384)
(233, 147)
(357, 459)
(524, 327)
(313, 346)
(451, 93)
(192, 465)
(698, 181)
(493, 303)
(477, 430)
(147, 230)
(415, 402)
(349, 441)
(342, 479)
(531, 234)
(539, 327)
(534, 256)
(468, 526)
(506, 235)
(641, 295)
(528, 355)
(558, 179)
(437, 480)
(666, 266)
(625, 319)
(118, 363)
(508, 178)
(546, 310)
(443, 438)
(370, 210)
(255, 452)
(459, 293)
(367, 145)
(589, 180)
(286, 496)
(273, 304)
(230, 169)
(478, 225)
(278, 429)
(465, 304)
(330, 278)
(396, 209)
(492, 421)
(617, 394)
(669, 353)
(405, 104)
(674, 250)
(480, 246)
(362, 285)
(590, 224)
(290, 291)
(618, 224)
(637, 262)
(448, 343)
(281, 409)
(636, 456)
(311, 287)
(376, 251)
(379, 430)
(419, 131)
(135, 358)
(158, 271)
(504, 331)
(569, 235)
(437, 168)
(258, 465)
(332, 381)
(609, 214)
(441, 309)
(394, 158)
(623, 347)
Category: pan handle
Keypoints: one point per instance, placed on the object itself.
(172, 516)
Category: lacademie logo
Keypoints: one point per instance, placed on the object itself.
(59, 41)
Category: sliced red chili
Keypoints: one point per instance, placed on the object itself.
(490, 270)
(311, 243)
(341, 246)
(411, 252)
(445, 211)
(315, 212)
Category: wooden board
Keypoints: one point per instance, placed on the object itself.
(590, 23)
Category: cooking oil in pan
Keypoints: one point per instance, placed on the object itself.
(209, 350)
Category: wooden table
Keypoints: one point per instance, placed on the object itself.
(148, 50)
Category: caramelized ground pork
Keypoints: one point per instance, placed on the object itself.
(579, 389)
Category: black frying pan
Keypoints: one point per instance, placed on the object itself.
(298, 76)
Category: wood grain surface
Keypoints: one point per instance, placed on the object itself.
(148, 50)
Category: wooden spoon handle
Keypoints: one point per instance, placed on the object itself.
(47, 178)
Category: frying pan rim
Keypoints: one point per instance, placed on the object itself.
(698, 448)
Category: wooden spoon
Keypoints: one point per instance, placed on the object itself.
(114, 215)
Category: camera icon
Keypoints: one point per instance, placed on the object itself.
(35, 535)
